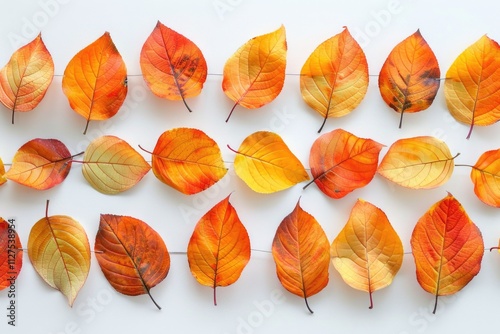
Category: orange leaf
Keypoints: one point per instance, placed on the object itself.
(485, 175)
(219, 248)
(266, 164)
(187, 160)
(300, 251)
(95, 80)
(132, 255)
(26, 77)
(11, 254)
(3, 179)
(112, 166)
(254, 75)
(40, 164)
(409, 78)
(59, 250)
(418, 163)
(334, 79)
(172, 65)
(341, 162)
(447, 247)
(472, 86)
(367, 252)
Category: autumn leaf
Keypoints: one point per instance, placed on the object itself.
(254, 75)
(111, 165)
(472, 86)
(485, 176)
(266, 164)
(447, 247)
(59, 251)
(418, 163)
(334, 79)
(342, 162)
(3, 179)
(409, 78)
(132, 256)
(26, 77)
(367, 252)
(300, 251)
(95, 80)
(172, 65)
(219, 248)
(40, 164)
(187, 160)
(11, 254)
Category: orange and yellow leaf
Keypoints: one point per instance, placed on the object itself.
(95, 80)
(3, 179)
(472, 86)
(301, 253)
(334, 78)
(367, 252)
(342, 162)
(219, 248)
(26, 77)
(172, 65)
(59, 250)
(111, 165)
(485, 175)
(11, 254)
(447, 247)
(254, 75)
(40, 164)
(132, 256)
(409, 78)
(418, 163)
(187, 160)
(266, 164)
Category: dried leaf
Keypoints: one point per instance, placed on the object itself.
(3, 179)
(187, 160)
(300, 251)
(418, 163)
(11, 254)
(334, 79)
(341, 162)
(172, 65)
(132, 255)
(26, 77)
(367, 252)
(112, 166)
(266, 164)
(95, 80)
(40, 164)
(485, 175)
(254, 75)
(409, 78)
(472, 86)
(447, 247)
(219, 248)
(59, 251)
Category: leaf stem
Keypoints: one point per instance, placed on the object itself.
(461, 165)
(13, 112)
(215, 296)
(435, 304)
(231, 112)
(307, 305)
(308, 184)
(492, 248)
(401, 119)
(145, 150)
(324, 122)
(47, 209)
(471, 127)
(232, 149)
(86, 126)
(149, 294)
(371, 300)
(184, 100)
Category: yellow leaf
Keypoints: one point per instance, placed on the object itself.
(266, 164)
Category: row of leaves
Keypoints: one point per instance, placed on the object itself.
(333, 80)
(447, 248)
(190, 161)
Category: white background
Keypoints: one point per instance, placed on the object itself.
(219, 28)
